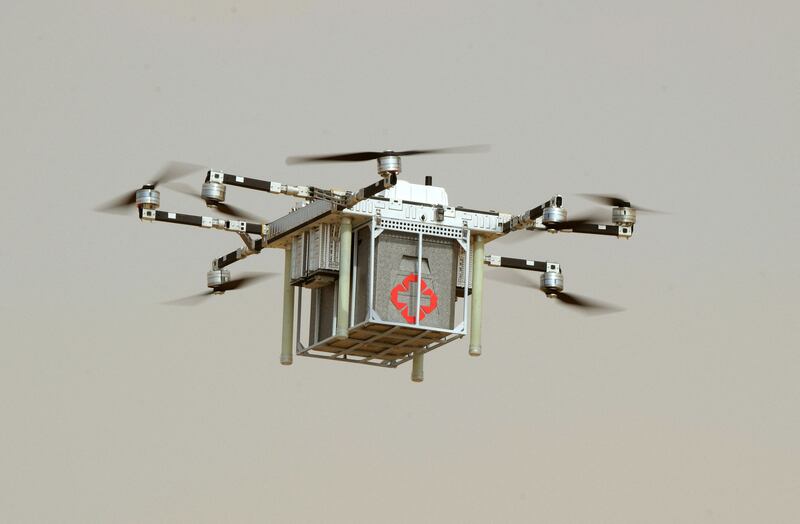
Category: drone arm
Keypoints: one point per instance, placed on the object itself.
(233, 256)
(202, 221)
(602, 229)
(268, 186)
(177, 218)
(516, 263)
(245, 182)
(372, 190)
(532, 214)
(251, 247)
(230, 258)
(528, 218)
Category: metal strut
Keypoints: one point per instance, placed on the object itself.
(476, 301)
(239, 226)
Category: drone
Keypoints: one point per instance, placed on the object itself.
(382, 275)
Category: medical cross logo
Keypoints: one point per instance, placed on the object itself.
(402, 302)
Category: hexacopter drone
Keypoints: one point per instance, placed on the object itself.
(382, 275)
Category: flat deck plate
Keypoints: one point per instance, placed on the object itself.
(378, 344)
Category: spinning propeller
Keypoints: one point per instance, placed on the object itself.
(222, 207)
(579, 221)
(617, 201)
(520, 279)
(374, 155)
(595, 218)
(171, 171)
(230, 285)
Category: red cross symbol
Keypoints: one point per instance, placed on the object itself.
(425, 291)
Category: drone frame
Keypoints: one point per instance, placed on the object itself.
(471, 229)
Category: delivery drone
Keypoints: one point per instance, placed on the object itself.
(382, 275)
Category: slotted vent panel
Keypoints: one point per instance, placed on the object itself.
(419, 227)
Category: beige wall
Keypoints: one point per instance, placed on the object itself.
(681, 409)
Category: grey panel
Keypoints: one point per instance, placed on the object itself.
(362, 274)
(299, 217)
(395, 274)
(323, 311)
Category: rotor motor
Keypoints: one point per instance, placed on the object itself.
(148, 198)
(554, 213)
(552, 282)
(388, 165)
(217, 277)
(623, 216)
(213, 193)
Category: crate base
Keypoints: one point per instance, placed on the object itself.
(380, 344)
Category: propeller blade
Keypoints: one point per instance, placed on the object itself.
(524, 279)
(119, 205)
(223, 208)
(609, 200)
(478, 148)
(617, 201)
(244, 281)
(579, 221)
(192, 300)
(517, 236)
(236, 212)
(173, 171)
(593, 218)
(587, 305)
(344, 157)
(170, 171)
(235, 283)
(372, 155)
(184, 188)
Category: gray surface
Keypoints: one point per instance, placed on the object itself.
(682, 409)
(361, 256)
(396, 258)
(321, 328)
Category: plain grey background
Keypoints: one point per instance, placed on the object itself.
(683, 408)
